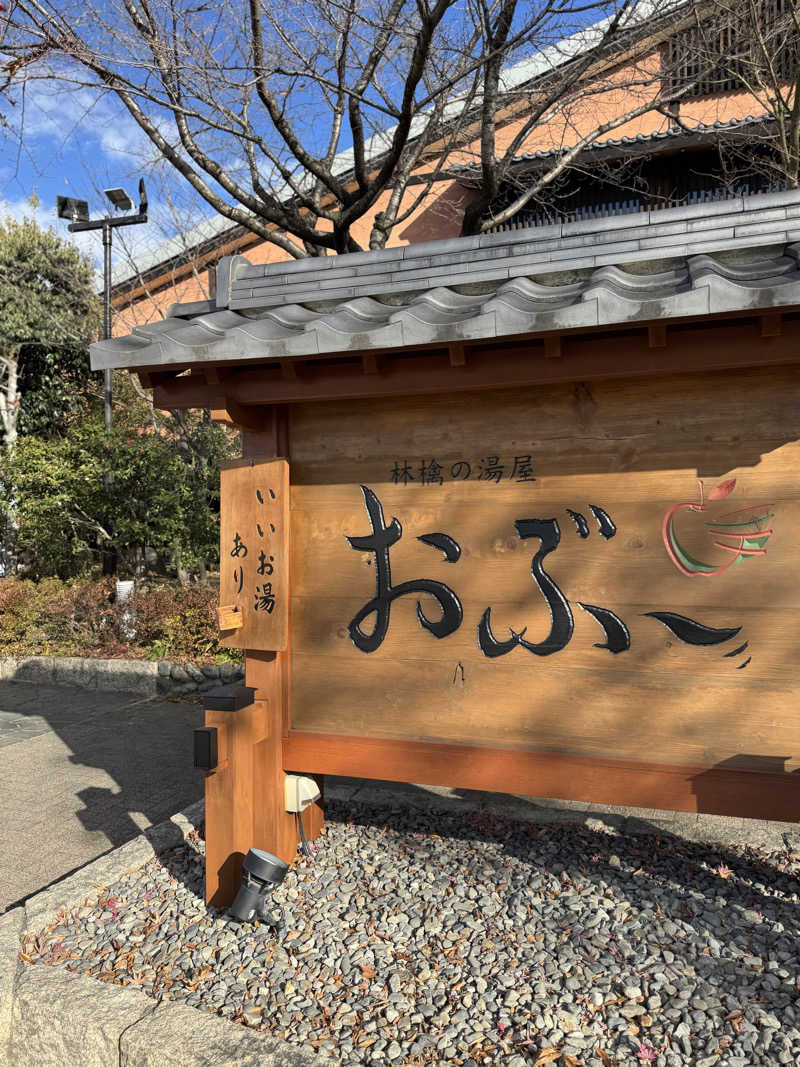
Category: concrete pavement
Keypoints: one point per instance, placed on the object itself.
(82, 772)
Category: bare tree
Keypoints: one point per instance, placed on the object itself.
(322, 125)
(751, 46)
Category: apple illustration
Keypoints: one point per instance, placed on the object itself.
(746, 536)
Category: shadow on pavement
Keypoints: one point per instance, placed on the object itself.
(84, 773)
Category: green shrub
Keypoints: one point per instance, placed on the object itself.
(82, 618)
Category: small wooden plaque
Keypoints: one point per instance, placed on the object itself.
(229, 617)
(254, 561)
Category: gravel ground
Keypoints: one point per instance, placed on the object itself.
(430, 937)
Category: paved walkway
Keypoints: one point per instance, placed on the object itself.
(84, 772)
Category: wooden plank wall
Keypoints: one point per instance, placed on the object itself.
(632, 448)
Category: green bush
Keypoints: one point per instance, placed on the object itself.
(82, 618)
(140, 493)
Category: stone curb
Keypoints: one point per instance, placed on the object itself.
(12, 926)
(50, 1017)
(149, 677)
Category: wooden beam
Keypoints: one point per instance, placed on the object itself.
(289, 370)
(657, 335)
(771, 322)
(369, 363)
(671, 787)
(707, 345)
(221, 415)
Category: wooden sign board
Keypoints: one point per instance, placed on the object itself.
(254, 565)
(538, 570)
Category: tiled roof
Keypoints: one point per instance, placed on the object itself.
(701, 260)
(649, 139)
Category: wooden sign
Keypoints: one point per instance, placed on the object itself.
(553, 570)
(254, 564)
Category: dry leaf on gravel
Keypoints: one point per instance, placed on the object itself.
(547, 1055)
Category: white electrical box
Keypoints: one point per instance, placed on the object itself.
(300, 792)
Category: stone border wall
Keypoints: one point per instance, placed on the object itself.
(149, 677)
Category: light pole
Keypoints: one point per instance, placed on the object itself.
(77, 211)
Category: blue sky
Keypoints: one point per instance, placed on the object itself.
(74, 144)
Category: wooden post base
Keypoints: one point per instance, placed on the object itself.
(245, 798)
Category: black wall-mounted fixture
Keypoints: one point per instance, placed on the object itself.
(205, 748)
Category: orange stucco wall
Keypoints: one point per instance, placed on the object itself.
(439, 213)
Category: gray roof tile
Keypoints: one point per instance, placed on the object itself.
(688, 261)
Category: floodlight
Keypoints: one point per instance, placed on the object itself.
(70, 208)
(120, 199)
(261, 872)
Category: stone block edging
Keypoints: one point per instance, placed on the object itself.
(51, 1017)
(150, 678)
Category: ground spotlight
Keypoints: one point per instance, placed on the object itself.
(261, 872)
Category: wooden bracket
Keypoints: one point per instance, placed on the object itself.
(214, 375)
(657, 335)
(229, 617)
(289, 370)
(151, 379)
(250, 417)
(552, 347)
(458, 356)
(771, 324)
(369, 363)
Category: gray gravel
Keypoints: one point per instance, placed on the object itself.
(429, 937)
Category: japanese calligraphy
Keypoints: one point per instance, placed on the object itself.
(253, 563)
(547, 531)
(494, 469)
(264, 598)
(239, 547)
(379, 541)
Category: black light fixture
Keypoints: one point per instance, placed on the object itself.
(120, 199)
(77, 213)
(261, 873)
(71, 209)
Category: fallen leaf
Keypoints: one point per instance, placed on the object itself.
(609, 1061)
(570, 1061)
(367, 971)
(734, 1015)
(547, 1055)
(292, 935)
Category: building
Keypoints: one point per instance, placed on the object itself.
(702, 148)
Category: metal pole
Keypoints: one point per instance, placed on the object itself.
(107, 321)
(109, 557)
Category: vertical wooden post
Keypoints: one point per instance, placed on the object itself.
(230, 790)
(245, 794)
